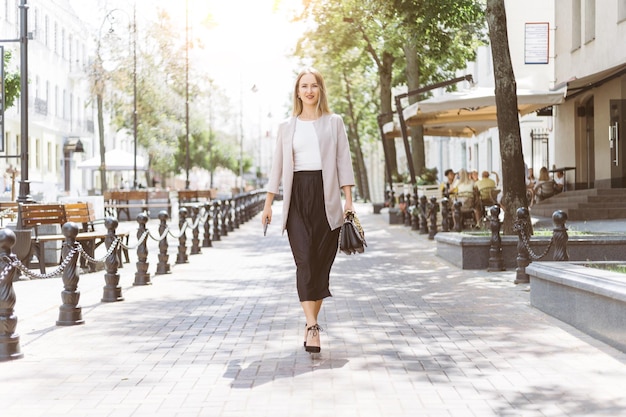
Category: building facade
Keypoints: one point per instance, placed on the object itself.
(591, 65)
(60, 110)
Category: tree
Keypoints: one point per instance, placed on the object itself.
(439, 38)
(11, 82)
(514, 194)
(414, 42)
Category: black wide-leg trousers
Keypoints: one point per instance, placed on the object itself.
(313, 244)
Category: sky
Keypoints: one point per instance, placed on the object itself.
(246, 45)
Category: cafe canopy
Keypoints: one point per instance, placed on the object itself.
(469, 112)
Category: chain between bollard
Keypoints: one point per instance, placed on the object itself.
(139, 242)
(117, 242)
(518, 226)
(34, 275)
(160, 238)
(182, 231)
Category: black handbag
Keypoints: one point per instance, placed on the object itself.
(351, 235)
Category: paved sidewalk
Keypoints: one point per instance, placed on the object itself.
(407, 334)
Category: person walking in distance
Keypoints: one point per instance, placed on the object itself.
(312, 159)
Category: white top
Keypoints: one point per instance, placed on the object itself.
(306, 147)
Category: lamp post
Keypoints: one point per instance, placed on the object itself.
(133, 33)
(135, 94)
(24, 195)
(186, 94)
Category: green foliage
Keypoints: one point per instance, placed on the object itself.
(12, 82)
(427, 177)
(161, 97)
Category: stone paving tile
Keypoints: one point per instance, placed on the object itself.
(406, 334)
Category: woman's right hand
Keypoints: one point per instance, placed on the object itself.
(266, 217)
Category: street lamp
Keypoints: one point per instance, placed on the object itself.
(186, 94)
(24, 195)
(134, 41)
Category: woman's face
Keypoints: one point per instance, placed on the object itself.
(308, 90)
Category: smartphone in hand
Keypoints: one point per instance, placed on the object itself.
(267, 223)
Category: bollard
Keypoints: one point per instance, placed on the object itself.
(216, 220)
(237, 218)
(415, 220)
(560, 236)
(195, 233)
(524, 228)
(496, 262)
(433, 209)
(70, 313)
(182, 239)
(407, 210)
(224, 218)
(112, 291)
(163, 267)
(231, 207)
(206, 241)
(9, 340)
(445, 211)
(142, 276)
(458, 224)
(423, 220)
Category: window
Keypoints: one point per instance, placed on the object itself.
(56, 34)
(590, 20)
(49, 160)
(621, 10)
(46, 30)
(37, 154)
(576, 22)
(69, 52)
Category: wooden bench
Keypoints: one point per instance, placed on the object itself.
(32, 216)
(196, 196)
(117, 202)
(8, 210)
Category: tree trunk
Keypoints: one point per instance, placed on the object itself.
(417, 132)
(103, 171)
(514, 192)
(358, 161)
(385, 74)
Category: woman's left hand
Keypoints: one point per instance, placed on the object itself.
(348, 206)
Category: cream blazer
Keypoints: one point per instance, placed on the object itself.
(336, 164)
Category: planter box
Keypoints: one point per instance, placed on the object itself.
(468, 251)
(590, 299)
(429, 191)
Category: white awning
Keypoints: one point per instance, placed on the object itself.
(392, 130)
(473, 110)
(116, 160)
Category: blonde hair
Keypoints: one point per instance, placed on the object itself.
(464, 177)
(322, 103)
(543, 174)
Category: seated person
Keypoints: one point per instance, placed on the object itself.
(545, 186)
(559, 181)
(467, 193)
(448, 187)
(531, 181)
(487, 189)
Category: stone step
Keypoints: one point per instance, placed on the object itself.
(596, 213)
(592, 204)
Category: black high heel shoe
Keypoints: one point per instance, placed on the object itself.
(306, 331)
(313, 339)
